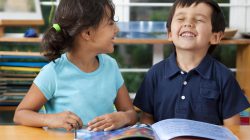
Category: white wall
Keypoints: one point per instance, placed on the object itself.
(240, 15)
(248, 16)
(122, 9)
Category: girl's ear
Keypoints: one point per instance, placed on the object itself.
(86, 34)
(216, 38)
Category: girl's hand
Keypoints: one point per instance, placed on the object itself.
(67, 120)
(108, 122)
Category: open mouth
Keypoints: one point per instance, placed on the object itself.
(188, 34)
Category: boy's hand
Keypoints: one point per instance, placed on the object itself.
(67, 120)
(108, 122)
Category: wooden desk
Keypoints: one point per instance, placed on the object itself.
(8, 108)
(242, 132)
(12, 132)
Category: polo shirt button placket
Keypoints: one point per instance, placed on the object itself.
(185, 83)
(183, 97)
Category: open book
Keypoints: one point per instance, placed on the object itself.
(162, 130)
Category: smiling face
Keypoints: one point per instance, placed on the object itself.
(191, 28)
(103, 38)
(100, 39)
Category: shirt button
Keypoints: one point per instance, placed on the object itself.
(185, 83)
(182, 72)
(183, 97)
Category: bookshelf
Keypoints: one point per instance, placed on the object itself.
(19, 23)
(14, 86)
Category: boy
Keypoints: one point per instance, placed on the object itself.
(190, 84)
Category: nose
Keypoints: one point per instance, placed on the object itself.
(116, 28)
(187, 25)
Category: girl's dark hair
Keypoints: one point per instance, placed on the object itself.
(73, 16)
(218, 20)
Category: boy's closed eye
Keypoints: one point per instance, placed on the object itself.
(180, 19)
(200, 20)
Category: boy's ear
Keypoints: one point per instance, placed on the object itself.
(216, 38)
(169, 36)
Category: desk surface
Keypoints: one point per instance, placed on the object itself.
(12, 132)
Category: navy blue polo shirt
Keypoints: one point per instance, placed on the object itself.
(208, 93)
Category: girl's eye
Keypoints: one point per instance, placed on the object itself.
(111, 23)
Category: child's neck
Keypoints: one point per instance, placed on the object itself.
(189, 60)
(87, 63)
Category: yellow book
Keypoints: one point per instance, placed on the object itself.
(20, 69)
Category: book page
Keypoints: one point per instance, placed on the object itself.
(171, 128)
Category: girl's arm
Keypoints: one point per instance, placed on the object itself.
(124, 103)
(146, 118)
(27, 113)
(125, 114)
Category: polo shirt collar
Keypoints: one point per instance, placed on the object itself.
(171, 66)
(204, 68)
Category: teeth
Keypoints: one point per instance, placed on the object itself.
(188, 34)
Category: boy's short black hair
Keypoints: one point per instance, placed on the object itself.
(217, 18)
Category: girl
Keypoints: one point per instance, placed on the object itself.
(81, 84)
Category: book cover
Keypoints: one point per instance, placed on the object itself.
(162, 130)
(139, 131)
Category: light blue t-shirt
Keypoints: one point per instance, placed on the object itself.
(88, 95)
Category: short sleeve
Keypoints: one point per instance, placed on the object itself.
(145, 95)
(45, 81)
(234, 100)
(119, 78)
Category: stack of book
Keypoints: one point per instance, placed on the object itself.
(17, 72)
(245, 117)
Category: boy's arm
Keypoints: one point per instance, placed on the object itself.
(146, 118)
(234, 120)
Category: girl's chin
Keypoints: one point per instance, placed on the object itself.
(110, 50)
